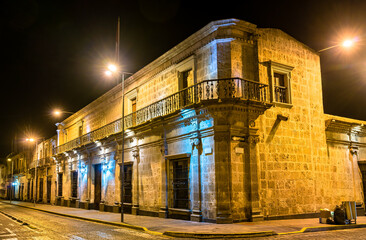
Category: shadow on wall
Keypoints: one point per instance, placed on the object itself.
(275, 127)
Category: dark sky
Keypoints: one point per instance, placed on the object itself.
(53, 51)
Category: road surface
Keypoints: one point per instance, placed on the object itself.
(48, 226)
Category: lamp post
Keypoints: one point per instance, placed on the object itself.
(12, 176)
(112, 70)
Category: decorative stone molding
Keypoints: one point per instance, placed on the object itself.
(252, 139)
(222, 136)
(136, 153)
(353, 149)
(195, 141)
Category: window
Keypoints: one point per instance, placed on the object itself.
(60, 184)
(133, 106)
(280, 89)
(180, 184)
(74, 184)
(185, 81)
(280, 84)
(186, 78)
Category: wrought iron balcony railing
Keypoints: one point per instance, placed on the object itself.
(205, 91)
(280, 93)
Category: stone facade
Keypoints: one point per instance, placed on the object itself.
(229, 126)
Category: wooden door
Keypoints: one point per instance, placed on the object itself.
(48, 190)
(40, 190)
(97, 185)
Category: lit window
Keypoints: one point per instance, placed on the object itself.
(280, 84)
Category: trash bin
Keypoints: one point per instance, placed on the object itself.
(350, 210)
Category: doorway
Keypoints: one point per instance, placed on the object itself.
(97, 185)
(362, 166)
(40, 190)
(48, 190)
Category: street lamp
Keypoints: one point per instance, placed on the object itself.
(58, 112)
(12, 176)
(113, 70)
(31, 140)
(345, 44)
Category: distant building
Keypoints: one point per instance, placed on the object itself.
(2, 180)
(226, 126)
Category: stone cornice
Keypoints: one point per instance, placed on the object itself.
(228, 28)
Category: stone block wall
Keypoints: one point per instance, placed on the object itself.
(291, 150)
(298, 175)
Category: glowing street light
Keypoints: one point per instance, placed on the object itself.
(112, 68)
(58, 112)
(348, 43)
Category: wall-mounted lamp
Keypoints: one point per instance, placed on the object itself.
(16, 182)
(98, 143)
(83, 168)
(107, 166)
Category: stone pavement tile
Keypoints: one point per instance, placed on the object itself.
(163, 224)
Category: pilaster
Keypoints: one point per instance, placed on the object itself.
(196, 194)
(223, 176)
(136, 181)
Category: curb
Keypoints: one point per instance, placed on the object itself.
(326, 228)
(219, 235)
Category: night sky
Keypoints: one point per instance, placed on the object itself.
(53, 52)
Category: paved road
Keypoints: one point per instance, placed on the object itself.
(49, 226)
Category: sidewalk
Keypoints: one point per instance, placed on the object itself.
(181, 228)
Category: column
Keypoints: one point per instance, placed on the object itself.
(163, 211)
(136, 182)
(196, 196)
(252, 157)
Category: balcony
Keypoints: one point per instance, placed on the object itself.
(205, 92)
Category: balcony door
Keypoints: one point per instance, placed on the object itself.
(186, 80)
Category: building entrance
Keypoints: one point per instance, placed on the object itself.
(48, 190)
(97, 185)
(363, 173)
(40, 190)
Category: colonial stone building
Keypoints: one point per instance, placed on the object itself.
(227, 126)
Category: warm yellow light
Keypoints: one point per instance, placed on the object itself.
(348, 43)
(9, 159)
(108, 73)
(112, 68)
(30, 139)
(57, 113)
